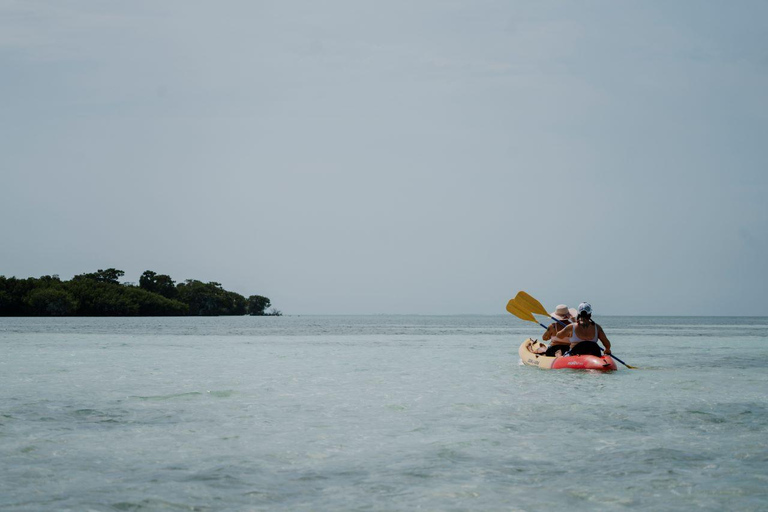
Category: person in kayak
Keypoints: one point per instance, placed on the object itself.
(585, 333)
(559, 346)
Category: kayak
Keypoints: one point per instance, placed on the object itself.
(530, 358)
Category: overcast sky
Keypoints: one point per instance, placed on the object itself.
(394, 156)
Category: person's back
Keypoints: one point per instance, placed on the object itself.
(585, 333)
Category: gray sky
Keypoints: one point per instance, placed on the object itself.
(393, 156)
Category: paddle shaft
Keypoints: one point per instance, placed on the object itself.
(622, 362)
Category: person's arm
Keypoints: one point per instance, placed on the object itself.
(565, 332)
(602, 337)
(551, 331)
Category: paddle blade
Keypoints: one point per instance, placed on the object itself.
(528, 303)
(519, 312)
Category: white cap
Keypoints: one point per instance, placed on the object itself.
(585, 307)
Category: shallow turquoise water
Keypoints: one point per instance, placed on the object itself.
(377, 413)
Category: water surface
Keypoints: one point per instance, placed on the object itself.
(377, 413)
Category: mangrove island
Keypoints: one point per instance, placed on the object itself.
(100, 293)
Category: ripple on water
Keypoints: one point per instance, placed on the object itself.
(224, 393)
(156, 504)
(718, 416)
(173, 396)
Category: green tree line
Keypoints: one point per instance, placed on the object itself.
(100, 293)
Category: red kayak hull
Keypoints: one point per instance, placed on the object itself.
(604, 363)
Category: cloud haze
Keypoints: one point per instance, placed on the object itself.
(392, 157)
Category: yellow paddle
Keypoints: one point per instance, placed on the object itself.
(527, 306)
(530, 304)
(522, 312)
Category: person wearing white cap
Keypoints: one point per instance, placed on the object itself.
(556, 343)
(585, 333)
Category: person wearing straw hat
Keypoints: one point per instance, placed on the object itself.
(557, 345)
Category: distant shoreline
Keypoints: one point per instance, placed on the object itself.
(100, 294)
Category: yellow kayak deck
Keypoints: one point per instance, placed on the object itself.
(529, 356)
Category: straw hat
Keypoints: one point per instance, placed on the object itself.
(563, 313)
